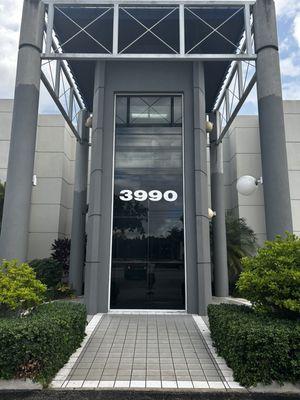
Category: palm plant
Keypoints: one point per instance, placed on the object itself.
(241, 242)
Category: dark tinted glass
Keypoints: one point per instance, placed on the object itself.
(148, 233)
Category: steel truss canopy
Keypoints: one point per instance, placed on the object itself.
(216, 32)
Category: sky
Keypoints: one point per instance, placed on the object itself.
(288, 12)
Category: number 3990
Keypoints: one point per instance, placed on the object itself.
(153, 195)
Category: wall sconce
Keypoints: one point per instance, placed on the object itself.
(89, 122)
(34, 180)
(211, 214)
(248, 185)
(209, 127)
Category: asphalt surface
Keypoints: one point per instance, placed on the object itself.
(138, 395)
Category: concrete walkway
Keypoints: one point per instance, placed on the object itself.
(146, 351)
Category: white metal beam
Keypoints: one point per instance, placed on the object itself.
(154, 57)
(153, 2)
(181, 30)
(116, 29)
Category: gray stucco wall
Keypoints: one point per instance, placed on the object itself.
(144, 77)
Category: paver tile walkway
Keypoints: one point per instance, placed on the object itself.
(145, 351)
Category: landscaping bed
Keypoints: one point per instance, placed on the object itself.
(36, 346)
(259, 348)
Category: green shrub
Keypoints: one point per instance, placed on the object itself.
(257, 347)
(38, 345)
(48, 271)
(271, 280)
(19, 288)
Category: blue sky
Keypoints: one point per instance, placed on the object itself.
(288, 12)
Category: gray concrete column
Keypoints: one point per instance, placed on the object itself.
(218, 205)
(96, 300)
(201, 189)
(77, 256)
(16, 212)
(271, 121)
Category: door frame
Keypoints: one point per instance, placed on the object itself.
(116, 94)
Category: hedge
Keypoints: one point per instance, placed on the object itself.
(258, 348)
(38, 345)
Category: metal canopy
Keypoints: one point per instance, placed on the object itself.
(216, 32)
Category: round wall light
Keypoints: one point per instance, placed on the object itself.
(209, 127)
(211, 213)
(247, 185)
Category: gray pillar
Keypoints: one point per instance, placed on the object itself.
(201, 189)
(218, 205)
(96, 300)
(77, 257)
(271, 121)
(16, 212)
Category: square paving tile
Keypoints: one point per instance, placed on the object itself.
(136, 350)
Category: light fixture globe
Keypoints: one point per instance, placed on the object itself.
(247, 185)
(211, 214)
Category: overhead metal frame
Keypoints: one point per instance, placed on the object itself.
(117, 5)
(237, 87)
(243, 54)
(62, 88)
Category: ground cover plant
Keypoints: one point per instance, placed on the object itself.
(37, 345)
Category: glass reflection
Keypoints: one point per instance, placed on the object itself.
(148, 236)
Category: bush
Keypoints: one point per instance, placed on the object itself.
(271, 280)
(257, 347)
(38, 345)
(19, 288)
(61, 249)
(48, 271)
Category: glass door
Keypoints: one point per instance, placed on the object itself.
(147, 270)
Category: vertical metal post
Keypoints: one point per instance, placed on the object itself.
(71, 103)
(181, 30)
(227, 105)
(57, 78)
(77, 257)
(50, 20)
(116, 29)
(248, 33)
(271, 121)
(218, 205)
(15, 223)
(240, 79)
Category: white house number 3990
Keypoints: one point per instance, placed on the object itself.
(153, 195)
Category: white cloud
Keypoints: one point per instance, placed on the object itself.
(10, 17)
(290, 67)
(291, 90)
(296, 29)
(287, 8)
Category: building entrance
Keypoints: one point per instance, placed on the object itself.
(148, 269)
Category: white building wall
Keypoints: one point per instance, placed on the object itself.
(52, 198)
(242, 157)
